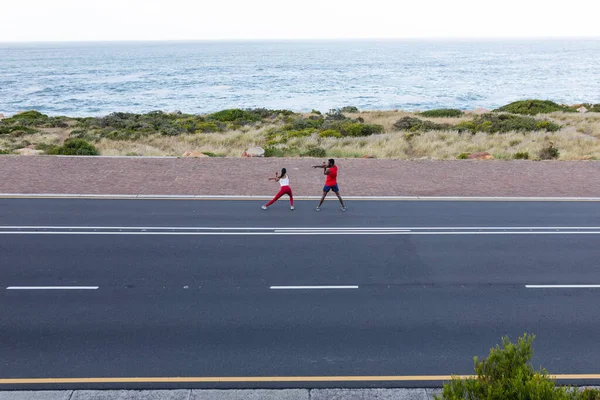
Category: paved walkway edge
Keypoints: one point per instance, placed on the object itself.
(268, 197)
(208, 394)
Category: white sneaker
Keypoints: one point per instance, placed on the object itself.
(344, 209)
(318, 209)
(292, 208)
(264, 207)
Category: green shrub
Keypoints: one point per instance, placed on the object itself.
(533, 107)
(330, 133)
(4, 151)
(16, 130)
(463, 156)
(304, 123)
(549, 153)
(502, 123)
(317, 112)
(132, 154)
(265, 113)
(521, 156)
(235, 114)
(416, 124)
(207, 127)
(349, 109)
(335, 114)
(211, 154)
(271, 151)
(358, 129)
(27, 118)
(442, 113)
(74, 147)
(316, 152)
(508, 374)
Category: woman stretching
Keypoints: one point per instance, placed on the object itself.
(284, 181)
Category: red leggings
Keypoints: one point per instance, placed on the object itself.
(284, 190)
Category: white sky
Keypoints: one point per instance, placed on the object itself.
(83, 20)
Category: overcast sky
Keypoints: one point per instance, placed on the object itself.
(83, 20)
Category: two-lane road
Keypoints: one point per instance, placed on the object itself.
(388, 294)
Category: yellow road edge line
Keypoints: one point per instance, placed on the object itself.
(263, 379)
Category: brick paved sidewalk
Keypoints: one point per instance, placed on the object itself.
(236, 176)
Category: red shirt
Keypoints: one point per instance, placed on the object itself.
(332, 177)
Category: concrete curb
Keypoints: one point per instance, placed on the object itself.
(268, 197)
(284, 394)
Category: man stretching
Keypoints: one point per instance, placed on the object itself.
(330, 170)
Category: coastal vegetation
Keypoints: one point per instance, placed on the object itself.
(507, 373)
(524, 130)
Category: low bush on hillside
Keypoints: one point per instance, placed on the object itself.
(533, 107)
(507, 374)
(313, 151)
(330, 133)
(236, 115)
(272, 151)
(15, 130)
(4, 151)
(73, 147)
(502, 123)
(521, 156)
(36, 119)
(549, 152)
(349, 109)
(413, 124)
(442, 113)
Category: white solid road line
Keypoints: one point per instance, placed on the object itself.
(272, 228)
(313, 287)
(52, 287)
(562, 286)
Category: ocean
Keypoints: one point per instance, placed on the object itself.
(81, 79)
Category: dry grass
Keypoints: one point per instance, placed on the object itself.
(578, 140)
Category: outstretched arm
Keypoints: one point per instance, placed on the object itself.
(276, 179)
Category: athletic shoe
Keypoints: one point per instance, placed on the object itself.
(344, 209)
(292, 208)
(264, 207)
(318, 209)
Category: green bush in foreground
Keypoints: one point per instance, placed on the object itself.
(442, 113)
(521, 156)
(533, 107)
(350, 109)
(74, 147)
(503, 123)
(507, 374)
(4, 151)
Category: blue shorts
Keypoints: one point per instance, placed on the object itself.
(335, 188)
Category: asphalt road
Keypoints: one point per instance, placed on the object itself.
(186, 289)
